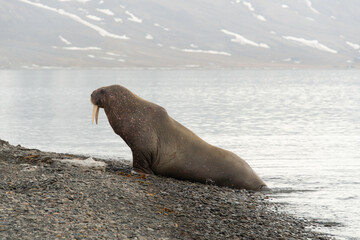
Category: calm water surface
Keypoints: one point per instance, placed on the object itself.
(299, 130)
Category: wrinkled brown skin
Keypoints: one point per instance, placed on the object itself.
(162, 146)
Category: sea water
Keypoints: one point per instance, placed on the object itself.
(298, 129)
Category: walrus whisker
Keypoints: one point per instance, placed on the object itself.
(95, 114)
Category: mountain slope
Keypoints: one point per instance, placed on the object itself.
(159, 33)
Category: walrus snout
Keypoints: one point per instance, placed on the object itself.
(96, 97)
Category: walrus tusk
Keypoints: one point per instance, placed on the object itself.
(95, 114)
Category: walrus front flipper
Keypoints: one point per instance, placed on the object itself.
(141, 164)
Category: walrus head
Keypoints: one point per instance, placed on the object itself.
(97, 99)
(107, 97)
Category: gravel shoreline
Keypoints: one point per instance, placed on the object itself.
(43, 198)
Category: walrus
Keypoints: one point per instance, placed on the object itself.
(162, 146)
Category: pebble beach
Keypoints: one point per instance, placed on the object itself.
(44, 197)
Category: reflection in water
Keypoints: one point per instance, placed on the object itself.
(299, 130)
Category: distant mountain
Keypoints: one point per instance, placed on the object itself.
(173, 33)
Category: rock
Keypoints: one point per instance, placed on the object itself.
(84, 163)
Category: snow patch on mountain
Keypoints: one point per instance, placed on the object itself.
(244, 41)
(249, 6)
(149, 37)
(353, 45)
(260, 17)
(252, 9)
(162, 27)
(64, 40)
(133, 18)
(206, 52)
(309, 4)
(76, 18)
(114, 54)
(95, 18)
(105, 11)
(310, 43)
